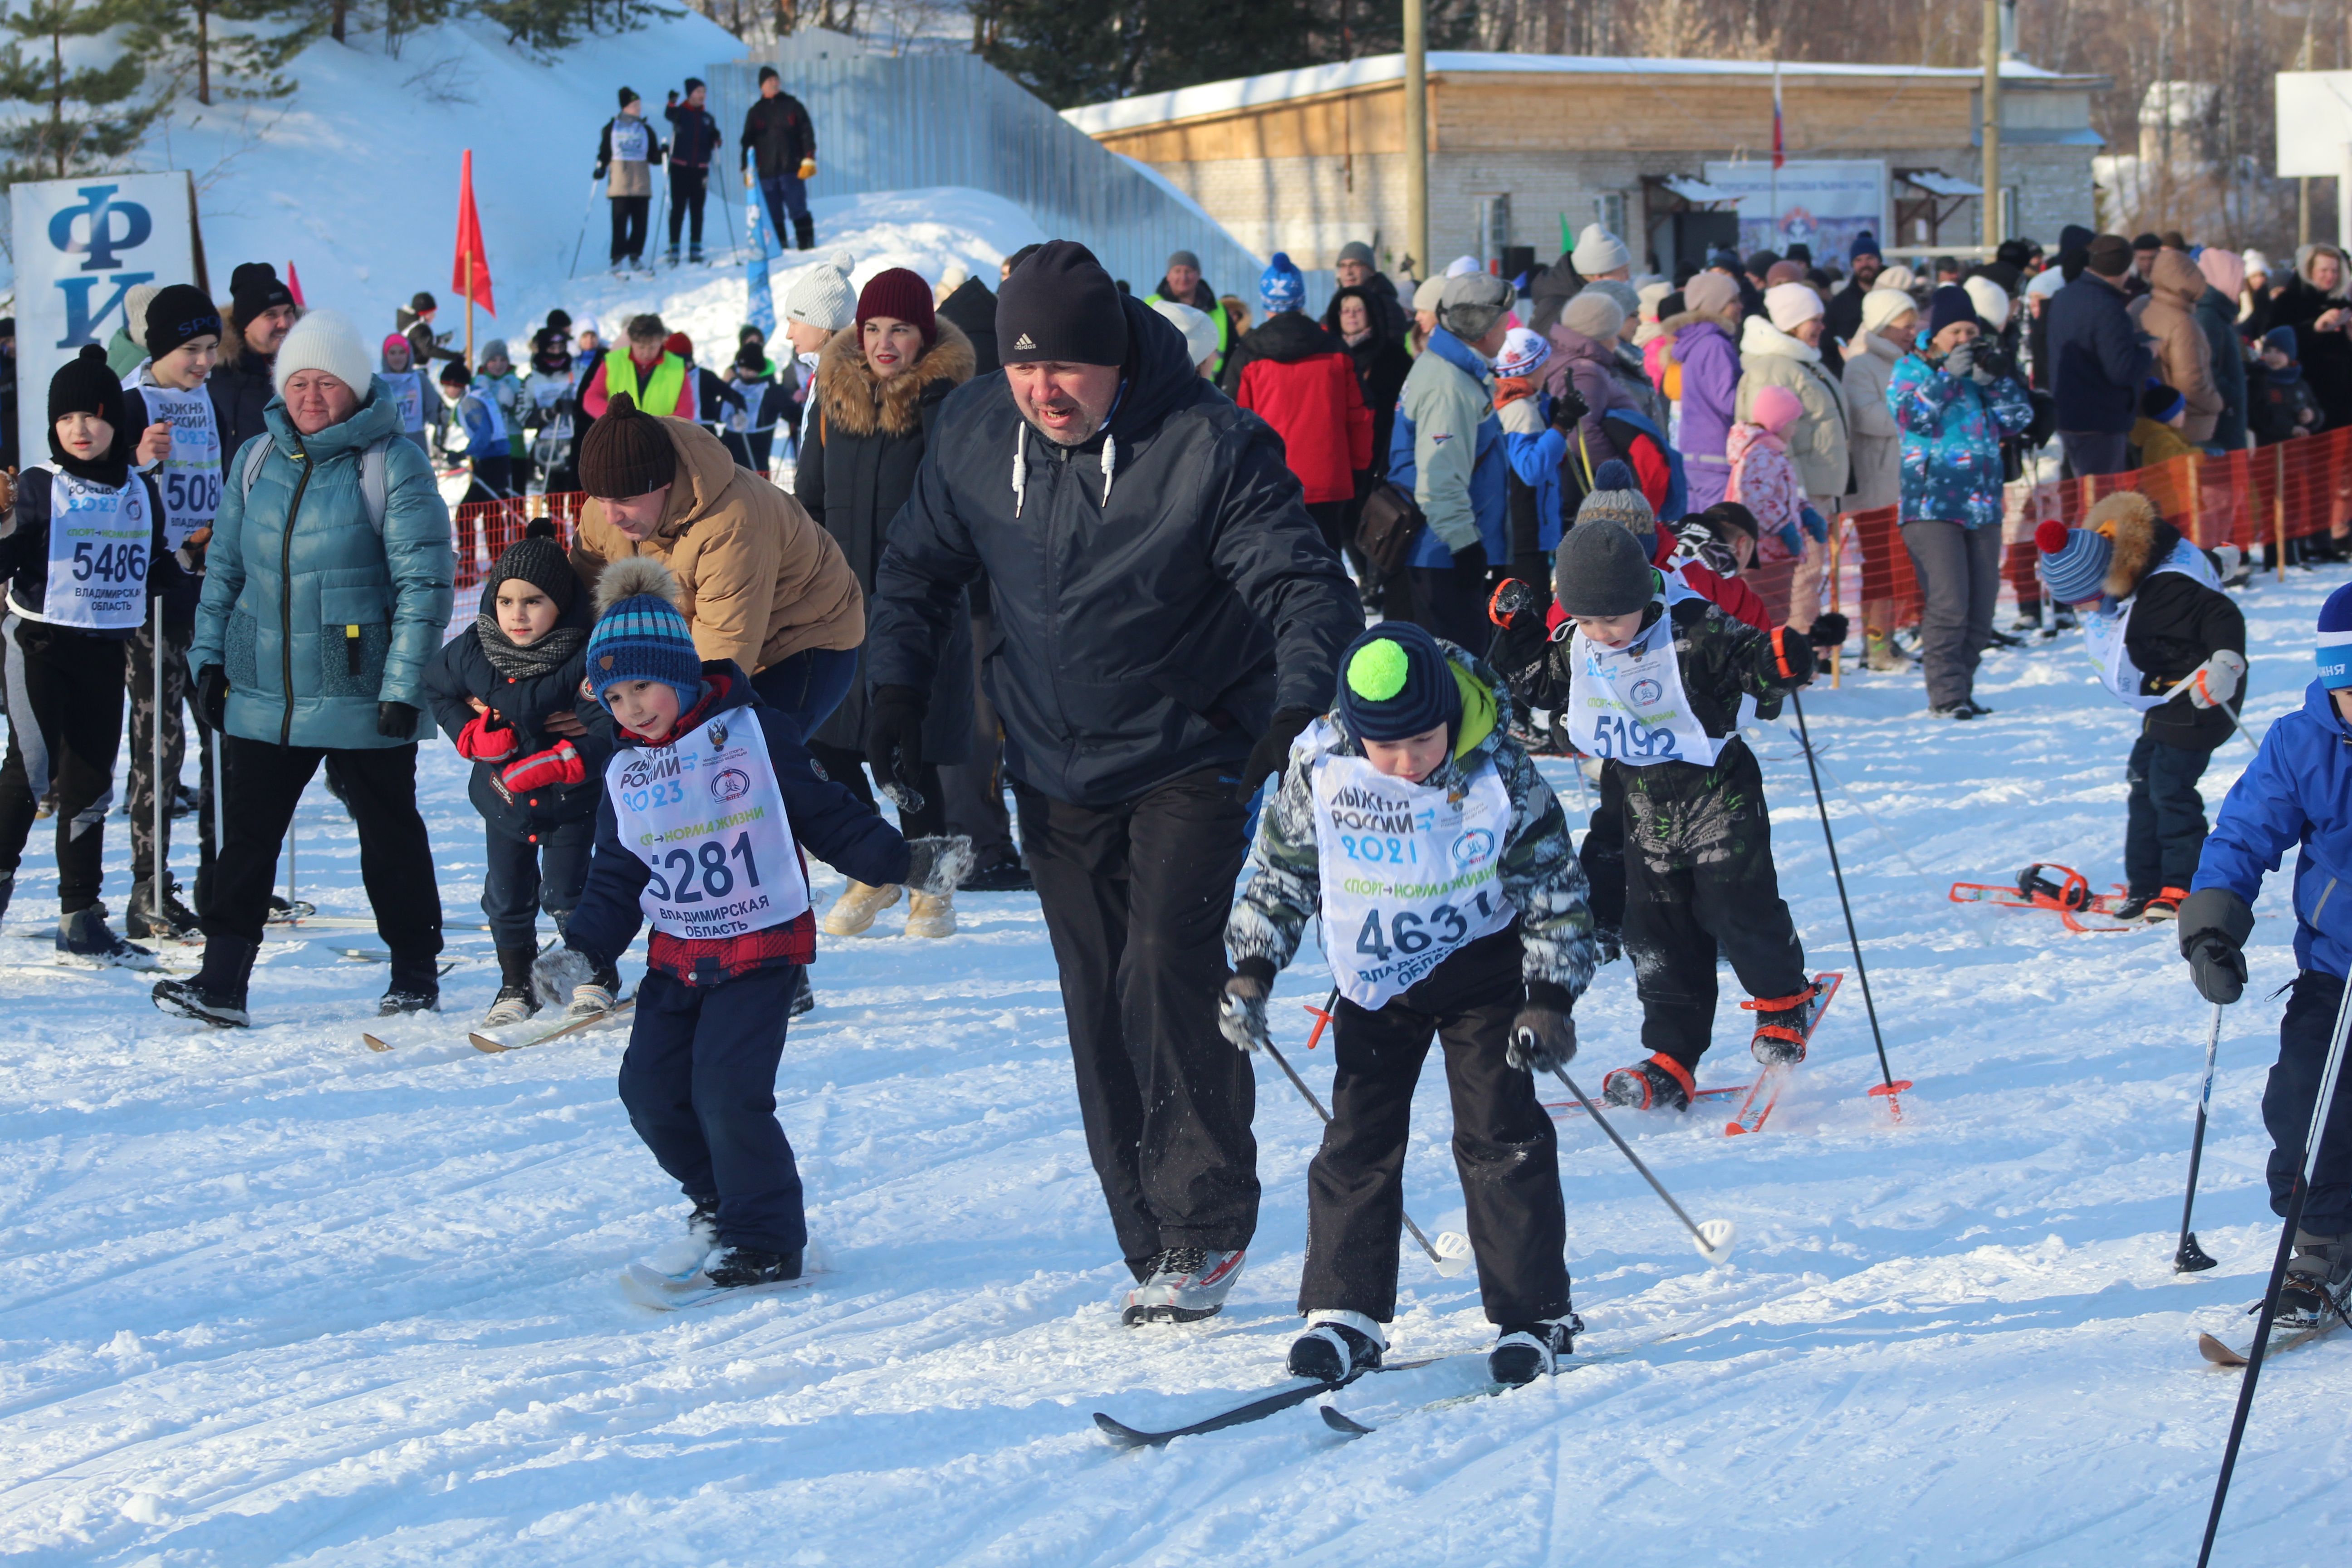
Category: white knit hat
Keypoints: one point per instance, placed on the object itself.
(1881, 307)
(1524, 353)
(1792, 305)
(325, 340)
(1200, 333)
(822, 298)
(1598, 251)
(1990, 300)
(1426, 295)
(1595, 313)
(1896, 277)
(2257, 262)
(2046, 282)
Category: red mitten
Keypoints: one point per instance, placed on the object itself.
(559, 765)
(482, 741)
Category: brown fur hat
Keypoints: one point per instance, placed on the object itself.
(2140, 539)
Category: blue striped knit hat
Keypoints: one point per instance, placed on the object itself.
(2074, 561)
(2335, 649)
(639, 635)
(1281, 287)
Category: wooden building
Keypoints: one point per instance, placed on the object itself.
(1524, 146)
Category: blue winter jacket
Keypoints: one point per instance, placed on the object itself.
(2097, 358)
(1951, 431)
(1489, 469)
(296, 566)
(1535, 458)
(2298, 793)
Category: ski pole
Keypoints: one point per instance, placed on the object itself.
(2182, 685)
(584, 213)
(1445, 1265)
(2189, 1257)
(1714, 1237)
(1887, 1085)
(158, 874)
(2278, 1272)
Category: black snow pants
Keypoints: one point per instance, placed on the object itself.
(2287, 1100)
(1135, 898)
(65, 724)
(1699, 880)
(1504, 1147)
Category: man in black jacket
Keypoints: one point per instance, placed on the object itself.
(2098, 361)
(1167, 621)
(262, 311)
(693, 138)
(777, 133)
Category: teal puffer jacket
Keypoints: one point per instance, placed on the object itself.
(296, 563)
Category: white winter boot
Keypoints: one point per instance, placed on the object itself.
(853, 913)
(931, 914)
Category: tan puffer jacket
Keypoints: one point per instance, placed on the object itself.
(1817, 441)
(2184, 354)
(760, 581)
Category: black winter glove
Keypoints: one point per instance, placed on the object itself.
(1569, 409)
(1471, 562)
(2214, 924)
(212, 696)
(1241, 1014)
(894, 743)
(1829, 630)
(1542, 1040)
(395, 721)
(935, 865)
(1272, 753)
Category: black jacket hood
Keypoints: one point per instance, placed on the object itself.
(1291, 337)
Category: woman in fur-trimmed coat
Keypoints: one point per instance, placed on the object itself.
(879, 385)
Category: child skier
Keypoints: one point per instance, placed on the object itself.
(626, 151)
(178, 432)
(1451, 905)
(477, 432)
(2281, 402)
(82, 552)
(412, 392)
(1764, 477)
(1650, 680)
(506, 692)
(498, 382)
(2163, 623)
(1535, 442)
(706, 800)
(2293, 798)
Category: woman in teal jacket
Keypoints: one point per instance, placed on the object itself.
(328, 584)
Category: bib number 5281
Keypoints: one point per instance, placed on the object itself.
(704, 872)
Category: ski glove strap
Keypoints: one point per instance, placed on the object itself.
(1541, 1040)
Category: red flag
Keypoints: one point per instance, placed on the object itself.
(475, 283)
(294, 287)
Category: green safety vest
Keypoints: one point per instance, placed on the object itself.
(1215, 312)
(661, 397)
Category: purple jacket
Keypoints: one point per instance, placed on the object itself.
(1578, 359)
(1710, 363)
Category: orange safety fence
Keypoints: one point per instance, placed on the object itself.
(483, 529)
(2266, 495)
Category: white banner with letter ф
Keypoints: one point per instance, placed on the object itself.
(80, 246)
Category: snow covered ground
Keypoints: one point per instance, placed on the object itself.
(270, 1297)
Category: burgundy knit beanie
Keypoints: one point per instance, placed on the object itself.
(901, 295)
(627, 453)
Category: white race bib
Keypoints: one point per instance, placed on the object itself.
(98, 555)
(1629, 703)
(707, 817)
(190, 477)
(1410, 873)
(407, 391)
(630, 140)
(2103, 631)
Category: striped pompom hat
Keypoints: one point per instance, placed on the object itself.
(2074, 561)
(639, 635)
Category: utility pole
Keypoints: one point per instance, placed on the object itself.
(1417, 135)
(2303, 182)
(1990, 228)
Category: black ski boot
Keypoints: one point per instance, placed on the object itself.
(1782, 1023)
(804, 996)
(415, 988)
(750, 1266)
(1526, 1351)
(1007, 875)
(669, 259)
(214, 994)
(85, 938)
(171, 920)
(515, 1002)
(702, 1225)
(1661, 1083)
(2317, 1284)
(804, 231)
(1336, 1347)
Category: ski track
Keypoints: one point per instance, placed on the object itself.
(273, 1297)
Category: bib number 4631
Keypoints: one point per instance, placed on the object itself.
(1408, 934)
(708, 868)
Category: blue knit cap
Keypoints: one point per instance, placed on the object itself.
(2335, 649)
(1865, 244)
(640, 636)
(1396, 682)
(1282, 287)
(2074, 561)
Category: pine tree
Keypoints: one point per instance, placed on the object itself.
(84, 117)
(244, 63)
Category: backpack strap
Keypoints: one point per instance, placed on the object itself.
(376, 486)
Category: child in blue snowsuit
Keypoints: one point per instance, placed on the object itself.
(2298, 794)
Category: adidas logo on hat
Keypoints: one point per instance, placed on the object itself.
(1023, 342)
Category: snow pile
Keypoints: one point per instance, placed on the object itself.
(269, 1296)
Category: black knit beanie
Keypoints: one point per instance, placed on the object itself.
(539, 560)
(1395, 682)
(84, 386)
(177, 314)
(627, 453)
(254, 288)
(1061, 305)
(1601, 569)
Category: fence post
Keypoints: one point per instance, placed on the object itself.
(2278, 511)
(1837, 569)
(2197, 499)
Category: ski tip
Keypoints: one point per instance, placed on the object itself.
(2217, 1353)
(1345, 1424)
(373, 1044)
(484, 1043)
(1123, 1435)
